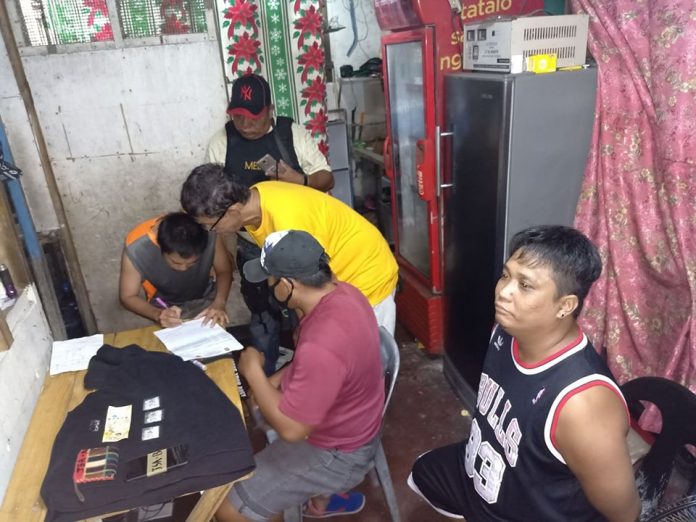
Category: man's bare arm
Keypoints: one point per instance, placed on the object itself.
(129, 294)
(267, 397)
(321, 180)
(591, 437)
(216, 313)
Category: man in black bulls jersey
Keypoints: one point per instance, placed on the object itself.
(548, 437)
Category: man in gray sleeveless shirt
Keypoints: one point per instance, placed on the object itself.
(183, 270)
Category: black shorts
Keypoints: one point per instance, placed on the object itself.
(438, 476)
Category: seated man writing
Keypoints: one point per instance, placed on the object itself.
(172, 260)
(548, 437)
(326, 405)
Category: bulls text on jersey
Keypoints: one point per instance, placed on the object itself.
(488, 476)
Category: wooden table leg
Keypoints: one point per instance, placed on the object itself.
(207, 505)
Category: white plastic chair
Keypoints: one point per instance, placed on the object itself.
(379, 473)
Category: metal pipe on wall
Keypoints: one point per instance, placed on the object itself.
(32, 246)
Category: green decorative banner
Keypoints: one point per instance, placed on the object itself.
(279, 67)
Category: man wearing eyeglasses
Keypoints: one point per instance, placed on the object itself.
(358, 251)
(172, 260)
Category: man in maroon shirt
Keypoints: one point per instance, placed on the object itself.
(326, 405)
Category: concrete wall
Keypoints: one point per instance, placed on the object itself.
(22, 371)
(123, 129)
(23, 145)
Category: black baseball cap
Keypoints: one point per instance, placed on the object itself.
(251, 94)
(286, 253)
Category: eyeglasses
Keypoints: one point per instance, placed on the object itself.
(211, 227)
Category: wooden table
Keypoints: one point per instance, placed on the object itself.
(60, 394)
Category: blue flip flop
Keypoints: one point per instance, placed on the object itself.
(339, 504)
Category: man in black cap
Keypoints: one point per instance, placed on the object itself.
(326, 405)
(253, 133)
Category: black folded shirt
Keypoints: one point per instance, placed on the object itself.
(196, 413)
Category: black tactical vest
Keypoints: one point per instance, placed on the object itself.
(242, 154)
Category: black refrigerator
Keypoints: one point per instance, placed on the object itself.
(517, 147)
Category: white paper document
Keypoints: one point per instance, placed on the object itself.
(193, 340)
(74, 355)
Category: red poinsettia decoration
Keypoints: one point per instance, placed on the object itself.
(245, 48)
(313, 57)
(95, 6)
(308, 24)
(241, 12)
(105, 34)
(324, 148)
(314, 92)
(173, 25)
(297, 5)
(317, 125)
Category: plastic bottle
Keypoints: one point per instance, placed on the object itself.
(6, 279)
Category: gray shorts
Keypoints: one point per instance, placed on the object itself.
(288, 474)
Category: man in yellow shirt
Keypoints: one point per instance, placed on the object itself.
(359, 254)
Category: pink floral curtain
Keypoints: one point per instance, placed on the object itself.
(639, 196)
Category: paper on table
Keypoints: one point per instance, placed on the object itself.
(74, 355)
(193, 340)
(118, 423)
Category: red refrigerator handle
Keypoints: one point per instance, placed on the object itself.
(425, 169)
(387, 155)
